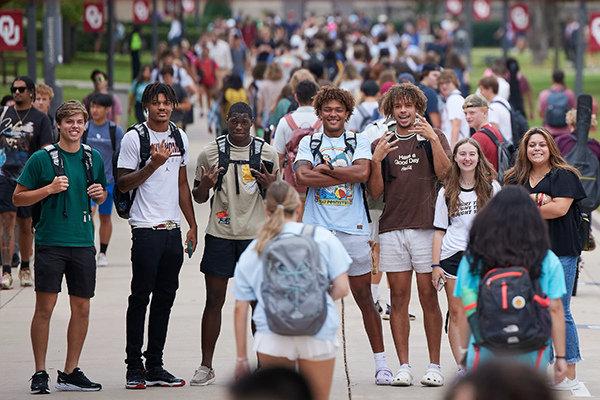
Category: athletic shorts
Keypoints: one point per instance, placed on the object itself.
(359, 250)
(77, 264)
(295, 347)
(7, 188)
(374, 225)
(406, 250)
(106, 207)
(450, 265)
(221, 256)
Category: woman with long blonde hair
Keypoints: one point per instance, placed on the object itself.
(470, 184)
(268, 92)
(314, 355)
(555, 187)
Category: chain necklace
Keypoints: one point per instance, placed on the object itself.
(537, 178)
(466, 183)
(21, 121)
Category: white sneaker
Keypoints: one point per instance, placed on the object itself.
(7, 281)
(403, 378)
(101, 260)
(25, 277)
(203, 376)
(566, 384)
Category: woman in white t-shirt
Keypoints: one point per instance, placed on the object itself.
(314, 355)
(470, 184)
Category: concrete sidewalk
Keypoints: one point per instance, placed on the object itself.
(104, 350)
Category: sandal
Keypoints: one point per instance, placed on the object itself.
(383, 376)
(433, 377)
(403, 378)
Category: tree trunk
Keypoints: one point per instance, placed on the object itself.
(540, 15)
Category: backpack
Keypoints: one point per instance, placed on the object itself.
(254, 161)
(291, 149)
(518, 124)
(58, 165)
(505, 154)
(112, 130)
(556, 112)
(294, 288)
(513, 315)
(367, 119)
(582, 158)
(351, 142)
(232, 96)
(124, 201)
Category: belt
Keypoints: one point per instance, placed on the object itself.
(167, 226)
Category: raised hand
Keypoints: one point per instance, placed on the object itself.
(59, 184)
(383, 148)
(160, 154)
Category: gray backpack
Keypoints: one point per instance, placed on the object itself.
(294, 287)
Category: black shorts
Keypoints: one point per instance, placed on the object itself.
(450, 264)
(7, 188)
(221, 255)
(78, 264)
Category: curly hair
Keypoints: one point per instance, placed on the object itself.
(405, 93)
(328, 93)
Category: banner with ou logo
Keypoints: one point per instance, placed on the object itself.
(11, 30)
(519, 17)
(594, 42)
(482, 10)
(188, 6)
(93, 17)
(141, 11)
(454, 7)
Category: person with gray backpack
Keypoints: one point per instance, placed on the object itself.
(294, 272)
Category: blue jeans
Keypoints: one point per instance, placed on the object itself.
(569, 264)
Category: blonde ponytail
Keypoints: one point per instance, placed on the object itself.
(281, 201)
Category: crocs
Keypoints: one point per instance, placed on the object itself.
(384, 376)
(403, 378)
(433, 377)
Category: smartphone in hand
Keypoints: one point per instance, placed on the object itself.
(440, 284)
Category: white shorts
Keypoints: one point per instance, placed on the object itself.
(295, 347)
(359, 249)
(374, 225)
(406, 250)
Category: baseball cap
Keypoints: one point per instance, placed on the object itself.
(475, 100)
(407, 76)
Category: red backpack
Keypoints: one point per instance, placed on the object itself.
(291, 150)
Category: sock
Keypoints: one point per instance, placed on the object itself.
(406, 366)
(103, 247)
(6, 268)
(436, 366)
(25, 264)
(380, 362)
(389, 296)
(375, 292)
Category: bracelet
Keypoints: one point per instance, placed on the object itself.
(463, 351)
(436, 265)
(241, 359)
(560, 357)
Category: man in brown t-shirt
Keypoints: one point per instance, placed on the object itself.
(405, 168)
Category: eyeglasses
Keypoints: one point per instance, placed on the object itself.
(20, 89)
(99, 79)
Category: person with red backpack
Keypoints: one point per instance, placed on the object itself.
(292, 128)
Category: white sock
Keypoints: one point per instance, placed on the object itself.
(406, 366)
(389, 296)
(375, 292)
(380, 362)
(436, 366)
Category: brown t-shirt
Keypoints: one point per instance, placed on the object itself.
(411, 194)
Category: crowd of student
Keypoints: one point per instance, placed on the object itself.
(395, 176)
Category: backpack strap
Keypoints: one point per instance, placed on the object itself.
(112, 131)
(503, 105)
(317, 125)
(177, 136)
(428, 150)
(224, 149)
(309, 230)
(315, 143)
(291, 122)
(58, 163)
(144, 136)
(256, 147)
(491, 135)
(86, 132)
(351, 142)
(88, 162)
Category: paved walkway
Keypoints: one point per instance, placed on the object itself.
(104, 351)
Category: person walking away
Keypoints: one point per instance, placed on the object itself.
(160, 182)
(312, 353)
(64, 241)
(554, 103)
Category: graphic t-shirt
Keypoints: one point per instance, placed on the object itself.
(339, 207)
(18, 141)
(235, 216)
(457, 226)
(99, 138)
(411, 194)
(65, 219)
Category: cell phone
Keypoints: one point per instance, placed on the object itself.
(269, 166)
(440, 284)
(190, 249)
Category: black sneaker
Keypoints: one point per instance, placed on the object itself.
(39, 383)
(76, 381)
(161, 377)
(136, 379)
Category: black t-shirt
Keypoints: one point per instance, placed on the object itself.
(21, 136)
(264, 56)
(182, 94)
(564, 233)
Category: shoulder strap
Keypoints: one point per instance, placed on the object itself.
(86, 132)
(88, 162)
(362, 111)
(256, 147)
(315, 143)
(491, 135)
(317, 125)
(351, 142)
(144, 135)
(428, 150)
(58, 164)
(309, 230)
(502, 104)
(223, 148)
(291, 122)
(177, 136)
(112, 131)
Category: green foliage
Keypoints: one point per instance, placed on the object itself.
(72, 12)
(215, 9)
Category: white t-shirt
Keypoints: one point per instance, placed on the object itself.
(304, 117)
(457, 231)
(499, 114)
(361, 112)
(157, 199)
(221, 53)
(503, 88)
(453, 110)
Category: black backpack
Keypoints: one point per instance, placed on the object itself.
(58, 165)
(518, 124)
(124, 201)
(506, 154)
(513, 314)
(112, 130)
(254, 161)
(350, 142)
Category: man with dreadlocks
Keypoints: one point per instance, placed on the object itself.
(157, 252)
(333, 165)
(238, 168)
(407, 163)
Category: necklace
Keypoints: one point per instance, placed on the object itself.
(466, 183)
(537, 178)
(24, 118)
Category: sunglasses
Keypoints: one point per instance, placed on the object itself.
(99, 79)
(20, 89)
